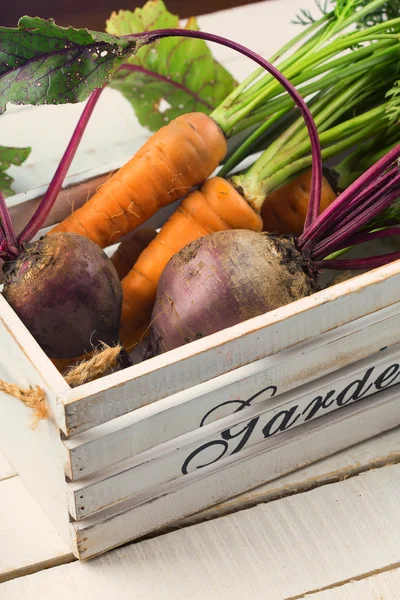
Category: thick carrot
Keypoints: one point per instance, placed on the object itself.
(176, 158)
(129, 250)
(216, 206)
(285, 209)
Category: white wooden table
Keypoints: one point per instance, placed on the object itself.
(328, 531)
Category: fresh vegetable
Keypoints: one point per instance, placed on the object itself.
(227, 277)
(224, 279)
(130, 249)
(283, 211)
(177, 156)
(36, 264)
(95, 57)
(243, 107)
(217, 206)
(67, 293)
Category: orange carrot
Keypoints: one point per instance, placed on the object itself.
(129, 250)
(285, 209)
(176, 158)
(216, 206)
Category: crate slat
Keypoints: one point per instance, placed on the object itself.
(377, 452)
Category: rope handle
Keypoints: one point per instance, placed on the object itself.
(35, 398)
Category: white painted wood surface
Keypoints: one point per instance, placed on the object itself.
(278, 551)
(28, 540)
(6, 468)
(34, 452)
(380, 586)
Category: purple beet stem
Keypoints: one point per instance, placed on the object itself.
(349, 213)
(8, 229)
(53, 190)
(368, 236)
(316, 178)
(379, 201)
(358, 263)
(353, 193)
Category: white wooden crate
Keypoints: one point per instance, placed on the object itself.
(140, 449)
(147, 446)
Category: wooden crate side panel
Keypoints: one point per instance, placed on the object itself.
(292, 450)
(215, 443)
(34, 453)
(97, 402)
(159, 422)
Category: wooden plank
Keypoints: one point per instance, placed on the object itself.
(211, 444)
(377, 452)
(379, 586)
(28, 540)
(6, 468)
(159, 422)
(285, 549)
(94, 403)
(258, 464)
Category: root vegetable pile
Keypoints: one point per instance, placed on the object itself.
(211, 265)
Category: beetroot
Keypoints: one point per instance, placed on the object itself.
(223, 279)
(67, 293)
(230, 276)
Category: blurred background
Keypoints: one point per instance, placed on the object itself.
(93, 13)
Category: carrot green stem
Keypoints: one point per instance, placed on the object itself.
(309, 239)
(316, 178)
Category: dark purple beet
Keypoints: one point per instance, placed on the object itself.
(223, 279)
(67, 293)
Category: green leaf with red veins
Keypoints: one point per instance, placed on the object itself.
(43, 63)
(171, 76)
(8, 157)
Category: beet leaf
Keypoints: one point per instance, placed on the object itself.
(174, 75)
(43, 63)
